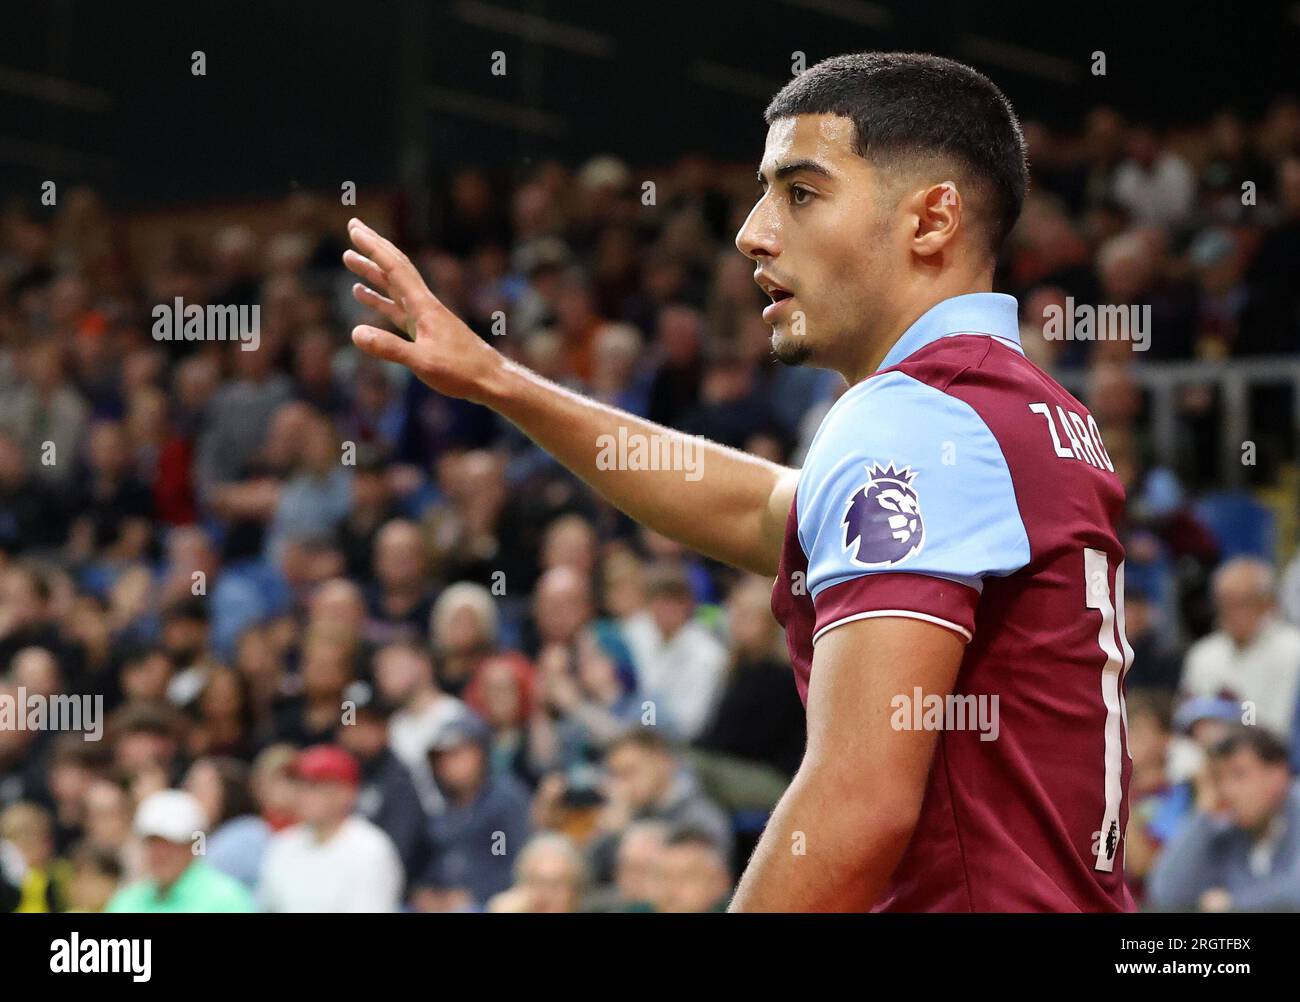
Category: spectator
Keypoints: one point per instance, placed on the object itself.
(47, 416)
(96, 876)
(638, 869)
(1155, 664)
(147, 743)
(388, 797)
(645, 780)
(177, 879)
(238, 418)
(238, 845)
(315, 500)
(1159, 805)
(373, 506)
(221, 787)
(404, 679)
(759, 718)
(333, 860)
(694, 876)
(12, 872)
(550, 878)
(484, 821)
(26, 617)
(680, 665)
(562, 606)
(107, 821)
(327, 671)
(587, 698)
(462, 632)
(1241, 849)
(29, 828)
(116, 506)
(225, 716)
(400, 600)
(502, 694)
(1253, 655)
(1155, 185)
(30, 513)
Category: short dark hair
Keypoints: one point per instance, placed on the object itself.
(668, 579)
(911, 105)
(650, 739)
(1268, 747)
(692, 834)
(1156, 703)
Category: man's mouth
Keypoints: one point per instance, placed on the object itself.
(781, 298)
(777, 293)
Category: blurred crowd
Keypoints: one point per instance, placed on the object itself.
(359, 647)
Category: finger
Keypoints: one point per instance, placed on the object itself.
(366, 270)
(369, 297)
(384, 344)
(404, 280)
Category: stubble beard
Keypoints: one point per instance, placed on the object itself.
(790, 349)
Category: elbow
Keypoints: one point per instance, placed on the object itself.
(875, 818)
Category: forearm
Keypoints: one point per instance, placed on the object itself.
(713, 499)
(819, 853)
(1277, 892)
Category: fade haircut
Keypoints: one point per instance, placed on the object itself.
(908, 109)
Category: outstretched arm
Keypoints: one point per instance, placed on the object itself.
(723, 503)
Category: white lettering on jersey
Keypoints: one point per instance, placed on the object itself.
(1083, 436)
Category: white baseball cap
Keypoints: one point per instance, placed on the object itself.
(173, 815)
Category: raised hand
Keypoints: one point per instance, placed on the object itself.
(439, 348)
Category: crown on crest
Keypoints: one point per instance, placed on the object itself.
(903, 475)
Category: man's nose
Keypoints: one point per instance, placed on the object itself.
(758, 235)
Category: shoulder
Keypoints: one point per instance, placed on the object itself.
(509, 794)
(1208, 651)
(880, 409)
(289, 841)
(1285, 636)
(226, 892)
(247, 827)
(365, 836)
(696, 635)
(901, 444)
(130, 898)
(638, 627)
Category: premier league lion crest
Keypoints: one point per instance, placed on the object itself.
(882, 520)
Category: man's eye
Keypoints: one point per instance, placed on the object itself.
(800, 196)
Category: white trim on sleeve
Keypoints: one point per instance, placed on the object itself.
(902, 613)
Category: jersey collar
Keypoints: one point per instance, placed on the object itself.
(990, 313)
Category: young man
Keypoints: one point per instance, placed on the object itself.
(176, 878)
(951, 534)
(1240, 850)
(334, 860)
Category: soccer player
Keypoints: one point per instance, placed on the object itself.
(946, 563)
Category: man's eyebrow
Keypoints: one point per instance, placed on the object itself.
(803, 166)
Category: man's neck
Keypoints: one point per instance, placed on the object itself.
(326, 830)
(893, 325)
(424, 698)
(164, 889)
(1269, 828)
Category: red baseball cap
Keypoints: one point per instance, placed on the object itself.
(327, 764)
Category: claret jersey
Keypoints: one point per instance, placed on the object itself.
(963, 486)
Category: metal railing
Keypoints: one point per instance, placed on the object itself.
(1234, 379)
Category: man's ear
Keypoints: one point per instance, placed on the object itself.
(938, 211)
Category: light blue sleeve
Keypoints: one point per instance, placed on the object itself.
(904, 477)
